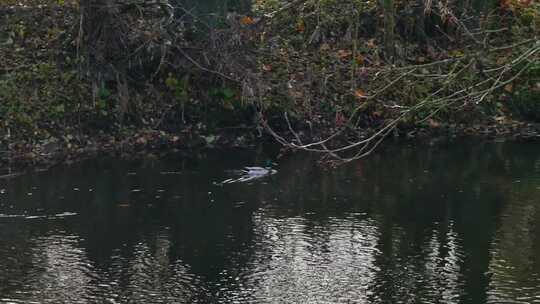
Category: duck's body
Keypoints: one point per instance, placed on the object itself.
(250, 174)
(258, 170)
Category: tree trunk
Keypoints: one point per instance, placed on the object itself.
(389, 28)
(98, 41)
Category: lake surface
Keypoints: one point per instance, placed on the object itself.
(457, 223)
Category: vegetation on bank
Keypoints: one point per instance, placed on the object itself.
(329, 76)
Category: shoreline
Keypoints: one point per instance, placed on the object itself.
(25, 156)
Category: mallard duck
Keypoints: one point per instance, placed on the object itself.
(258, 170)
(252, 173)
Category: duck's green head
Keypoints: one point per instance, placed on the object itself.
(268, 163)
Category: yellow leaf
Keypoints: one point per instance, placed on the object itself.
(301, 26)
(456, 53)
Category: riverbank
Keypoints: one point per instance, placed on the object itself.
(307, 74)
(69, 149)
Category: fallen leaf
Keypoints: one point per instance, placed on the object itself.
(343, 54)
(246, 20)
(371, 43)
(456, 53)
(325, 47)
(433, 123)
(340, 119)
(266, 67)
(359, 93)
(360, 59)
(301, 26)
(505, 3)
(141, 141)
(509, 88)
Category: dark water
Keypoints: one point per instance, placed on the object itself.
(453, 224)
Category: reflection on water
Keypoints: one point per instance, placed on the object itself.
(455, 224)
(303, 262)
(515, 268)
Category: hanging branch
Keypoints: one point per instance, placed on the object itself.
(442, 98)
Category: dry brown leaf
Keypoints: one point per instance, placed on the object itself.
(433, 123)
(246, 20)
(360, 94)
(344, 54)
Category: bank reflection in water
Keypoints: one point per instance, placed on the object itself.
(514, 267)
(407, 225)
